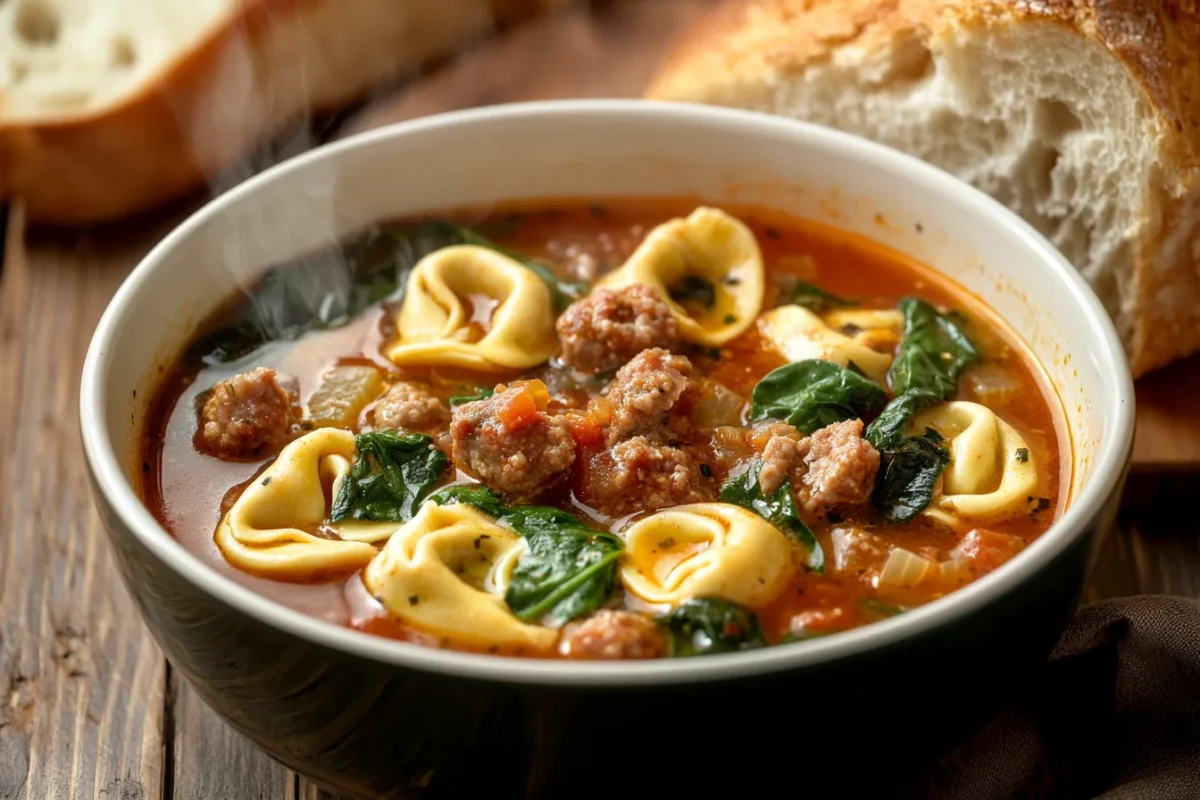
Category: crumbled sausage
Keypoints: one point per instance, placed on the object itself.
(782, 456)
(834, 467)
(644, 391)
(856, 551)
(641, 474)
(610, 326)
(840, 468)
(509, 442)
(409, 406)
(249, 415)
(611, 634)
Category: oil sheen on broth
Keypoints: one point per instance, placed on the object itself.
(632, 430)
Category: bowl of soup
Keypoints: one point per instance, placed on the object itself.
(477, 452)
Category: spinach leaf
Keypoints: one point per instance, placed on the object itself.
(779, 509)
(390, 477)
(931, 358)
(563, 292)
(710, 625)
(322, 291)
(696, 291)
(473, 494)
(907, 474)
(481, 393)
(888, 428)
(816, 299)
(875, 610)
(932, 354)
(813, 393)
(569, 570)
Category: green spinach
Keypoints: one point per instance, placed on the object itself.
(480, 393)
(907, 474)
(779, 509)
(710, 625)
(931, 358)
(933, 353)
(816, 299)
(887, 430)
(569, 569)
(390, 477)
(813, 393)
(471, 494)
(322, 291)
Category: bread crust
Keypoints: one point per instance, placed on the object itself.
(745, 46)
(209, 105)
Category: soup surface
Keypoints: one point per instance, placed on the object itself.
(632, 430)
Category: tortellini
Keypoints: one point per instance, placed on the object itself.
(710, 245)
(799, 334)
(991, 475)
(706, 550)
(890, 320)
(274, 528)
(446, 571)
(471, 307)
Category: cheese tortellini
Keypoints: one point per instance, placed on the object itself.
(471, 307)
(274, 529)
(799, 334)
(710, 245)
(991, 475)
(446, 571)
(706, 550)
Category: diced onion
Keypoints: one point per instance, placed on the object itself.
(992, 383)
(904, 568)
(955, 570)
(718, 406)
(343, 393)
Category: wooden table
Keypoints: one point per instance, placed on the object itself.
(88, 706)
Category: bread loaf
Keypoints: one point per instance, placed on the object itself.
(1083, 117)
(112, 107)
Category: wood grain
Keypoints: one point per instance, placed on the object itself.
(210, 760)
(1168, 427)
(81, 683)
(88, 707)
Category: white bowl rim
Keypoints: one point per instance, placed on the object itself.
(1109, 462)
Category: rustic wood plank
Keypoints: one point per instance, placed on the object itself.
(608, 50)
(210, 760)
(72, 651)
(1168, 431)
(81, 683)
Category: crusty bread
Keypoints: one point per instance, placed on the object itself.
(112, 107)
(1083, 116)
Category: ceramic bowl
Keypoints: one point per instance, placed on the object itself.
(368, 717)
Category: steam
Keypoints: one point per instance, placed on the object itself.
(232, 124)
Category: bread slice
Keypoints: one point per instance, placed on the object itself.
(1083, 116)
(112, 107)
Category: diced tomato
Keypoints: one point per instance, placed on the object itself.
(587, 430)
(988, 550)
(519, 410)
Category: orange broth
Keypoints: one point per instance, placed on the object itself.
(189, 491)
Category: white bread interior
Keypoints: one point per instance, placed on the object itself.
(112, 107)
(1039, 113)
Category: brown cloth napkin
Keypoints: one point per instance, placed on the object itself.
(1115, 714)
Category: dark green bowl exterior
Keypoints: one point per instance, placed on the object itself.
(367, 729)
